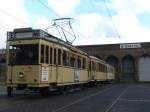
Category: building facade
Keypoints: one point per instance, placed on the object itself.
(131, 60)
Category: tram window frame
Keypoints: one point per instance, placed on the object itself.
(59, 57)
(42, 54)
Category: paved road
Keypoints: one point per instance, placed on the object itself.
(108, 98)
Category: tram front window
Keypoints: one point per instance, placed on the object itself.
(23, 54)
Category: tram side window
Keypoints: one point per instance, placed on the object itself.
(72, 62)
(55, 56)
(90, 65)
(65, 58)
(103, 68)
(23, 54)
(79, 63)
(47, 54)
(84, 63)
(51, 54)
(59, 57)
(12, 51)
(99, 66)
(42, 53)
(93, 65)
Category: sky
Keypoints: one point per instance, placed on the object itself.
(94, 21)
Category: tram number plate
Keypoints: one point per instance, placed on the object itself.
(45, 73)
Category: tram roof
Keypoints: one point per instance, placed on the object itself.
(93, 57)
(29, 33)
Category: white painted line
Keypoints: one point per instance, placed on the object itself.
(138, 100)
(81, 99)
(122, 93)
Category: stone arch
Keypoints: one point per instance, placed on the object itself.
(128, 68)
(112, 60)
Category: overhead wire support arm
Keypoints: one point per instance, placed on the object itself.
(72, 31)
(60, 23)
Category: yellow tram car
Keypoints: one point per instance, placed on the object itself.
(98, 71)
(110, 73)
(39, 61)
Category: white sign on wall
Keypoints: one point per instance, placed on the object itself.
(124, 46)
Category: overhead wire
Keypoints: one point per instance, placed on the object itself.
(109, 14)
(19, 20)
(3, 27)
(51, 10)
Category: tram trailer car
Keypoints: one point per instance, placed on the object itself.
(39, 61)
(97, 70)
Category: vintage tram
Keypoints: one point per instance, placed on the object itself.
(38, 60)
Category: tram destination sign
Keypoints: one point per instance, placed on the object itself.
(126, 46)
(24, 35)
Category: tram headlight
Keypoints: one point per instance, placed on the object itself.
(20, 74)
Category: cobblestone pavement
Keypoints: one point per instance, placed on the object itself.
(108, 98)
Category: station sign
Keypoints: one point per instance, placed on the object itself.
(126, 46)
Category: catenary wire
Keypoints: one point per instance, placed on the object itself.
(109, 14)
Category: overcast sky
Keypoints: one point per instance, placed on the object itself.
(95, 21)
